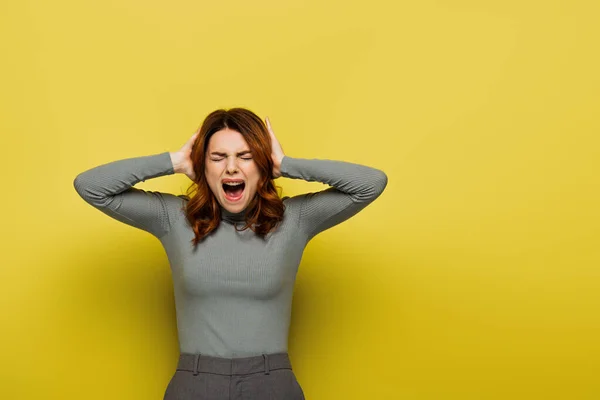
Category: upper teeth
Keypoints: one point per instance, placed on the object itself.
(233, 183)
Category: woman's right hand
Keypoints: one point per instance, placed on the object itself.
(181, 160)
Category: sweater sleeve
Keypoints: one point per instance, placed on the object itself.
(353, 187)
(108, 188)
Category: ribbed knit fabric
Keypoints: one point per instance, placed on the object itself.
(233, 293)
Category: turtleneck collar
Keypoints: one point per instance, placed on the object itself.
(232, 217)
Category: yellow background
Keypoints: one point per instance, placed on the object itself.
(474, 276)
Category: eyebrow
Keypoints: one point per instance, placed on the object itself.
(240, 153)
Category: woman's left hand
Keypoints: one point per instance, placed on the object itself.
(276, 151)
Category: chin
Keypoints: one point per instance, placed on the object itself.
(234, 206)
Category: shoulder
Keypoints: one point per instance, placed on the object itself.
(288, 200)
(174, 203)
(183, 197)
(293, 204)
(171, 198)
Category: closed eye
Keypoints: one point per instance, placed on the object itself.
(219, 159)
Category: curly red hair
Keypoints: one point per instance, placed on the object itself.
(266, 209)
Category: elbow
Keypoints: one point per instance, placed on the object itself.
(86, 191)
(380, 183)
(374, 186)
(79, 185)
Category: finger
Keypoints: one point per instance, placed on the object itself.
(269, 128)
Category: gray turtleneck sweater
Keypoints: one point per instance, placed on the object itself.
(233, 293)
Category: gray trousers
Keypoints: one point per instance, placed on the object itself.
(265, 377)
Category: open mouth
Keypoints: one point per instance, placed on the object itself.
(233, 190)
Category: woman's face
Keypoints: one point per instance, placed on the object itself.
(228, 158)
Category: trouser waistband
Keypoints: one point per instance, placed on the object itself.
(198, 363)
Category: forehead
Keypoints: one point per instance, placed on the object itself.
(227, 140)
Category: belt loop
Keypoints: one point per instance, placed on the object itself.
(267, 370)
(196, 361)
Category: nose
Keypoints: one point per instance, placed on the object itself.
(232, 165)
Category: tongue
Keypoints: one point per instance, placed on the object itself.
(235, 192)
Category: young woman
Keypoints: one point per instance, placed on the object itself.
(234, 247)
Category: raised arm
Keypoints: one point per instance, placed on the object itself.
(353, 187)
(109, 188)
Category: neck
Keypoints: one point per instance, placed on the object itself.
(232, 217)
